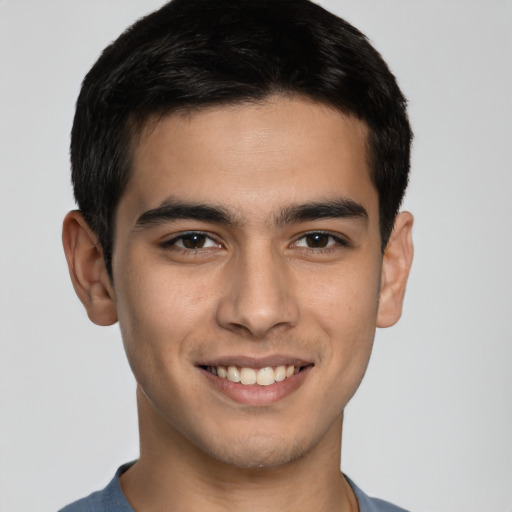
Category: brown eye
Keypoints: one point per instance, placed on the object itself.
(320, 240)
(193, 241)
(317, 240)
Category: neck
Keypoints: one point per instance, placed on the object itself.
(173, 472)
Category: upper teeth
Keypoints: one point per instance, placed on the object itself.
(249, 376)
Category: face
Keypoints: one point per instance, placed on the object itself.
(247, 243)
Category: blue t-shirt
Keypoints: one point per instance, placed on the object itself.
(112, 499)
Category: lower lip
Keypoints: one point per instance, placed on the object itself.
(255, 394)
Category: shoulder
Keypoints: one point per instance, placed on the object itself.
(368, 504)
(110, 499)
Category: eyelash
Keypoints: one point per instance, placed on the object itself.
(338, 242)
(172, 243)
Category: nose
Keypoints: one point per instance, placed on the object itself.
(259, 295)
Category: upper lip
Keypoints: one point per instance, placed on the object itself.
(255, 362)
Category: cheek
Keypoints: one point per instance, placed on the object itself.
(158, 311)
(345, 309)
(345, 301)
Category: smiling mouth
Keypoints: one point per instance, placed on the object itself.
(255, 376)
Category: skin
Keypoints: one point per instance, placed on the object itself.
(259, 285)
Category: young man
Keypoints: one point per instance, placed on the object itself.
(239, 168)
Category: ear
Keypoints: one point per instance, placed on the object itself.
(396, 264)
(87, 269)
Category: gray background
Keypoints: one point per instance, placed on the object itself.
(431, 426)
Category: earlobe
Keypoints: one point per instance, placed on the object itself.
(396, 264)
(87, 269)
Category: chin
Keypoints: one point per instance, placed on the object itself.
(258, 451)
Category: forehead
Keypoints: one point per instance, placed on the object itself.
(252, 158)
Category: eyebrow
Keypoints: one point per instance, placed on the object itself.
(172, 209)
(340, 208)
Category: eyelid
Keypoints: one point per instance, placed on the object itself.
(171, 242)
(337, 237)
